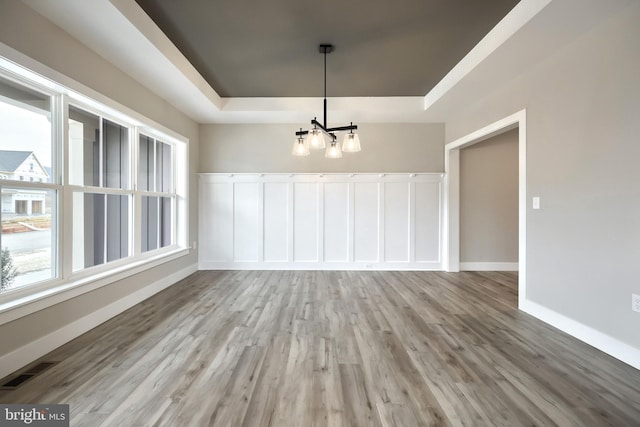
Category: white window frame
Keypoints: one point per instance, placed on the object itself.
(27, 299)
(55, 185)
(158, 138)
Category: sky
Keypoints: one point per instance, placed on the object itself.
(24, 130)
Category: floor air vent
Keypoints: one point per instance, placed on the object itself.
(26, 375)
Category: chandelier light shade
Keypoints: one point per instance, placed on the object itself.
(300, 147)
(333, 150)
(351, 143)
(315, 138)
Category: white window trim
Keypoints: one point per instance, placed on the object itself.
(173, 194)
(41, 297)
(28, 299)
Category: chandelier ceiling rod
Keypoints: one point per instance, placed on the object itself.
(315, 139)
(325, 49)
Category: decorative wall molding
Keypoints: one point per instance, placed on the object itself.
(321, 221)
(32, 351)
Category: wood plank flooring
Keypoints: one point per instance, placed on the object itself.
(313, 348)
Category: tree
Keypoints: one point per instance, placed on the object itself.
(9, 272)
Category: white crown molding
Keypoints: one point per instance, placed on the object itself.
(407, 109)
(507, 27)
(532, 31)
(164, 70)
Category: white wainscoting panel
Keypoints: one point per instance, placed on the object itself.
(321, 221)
(396, 221)
(366, 224)
(276, 221)
(216, 237)
(246, 220)
(336, 222)
(427, 231)
(306, 222)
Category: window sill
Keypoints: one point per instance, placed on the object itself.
(41, 299)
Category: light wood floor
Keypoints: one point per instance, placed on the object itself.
(334, 348)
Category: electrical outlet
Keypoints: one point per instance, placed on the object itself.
(368, 266)
(195, 244)
(635, 302)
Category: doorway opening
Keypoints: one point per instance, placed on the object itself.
(451, 240)
(489, 204)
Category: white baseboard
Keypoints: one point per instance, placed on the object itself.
(319, 266)
(488, 266)
(603, 342)
(28, 353)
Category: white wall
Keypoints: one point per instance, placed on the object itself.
(583, 245)
(319, 221)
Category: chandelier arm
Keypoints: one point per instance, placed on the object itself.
(341, 128)
(320, 125)
(330, 132)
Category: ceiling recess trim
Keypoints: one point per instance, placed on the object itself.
(164, 70)
(507, 27)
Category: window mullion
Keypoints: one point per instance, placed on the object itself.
(174, 199)
(101, 159)
(154, 173)
(136, 232)
(65, 205)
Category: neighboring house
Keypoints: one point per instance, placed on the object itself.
(22, 166)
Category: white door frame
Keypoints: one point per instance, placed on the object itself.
(451, 215)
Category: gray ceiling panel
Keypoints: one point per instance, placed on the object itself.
(251, 48)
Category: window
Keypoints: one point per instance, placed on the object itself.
(123, 199)
(100, 228)
(99, 153)
(28, 210)
(27, 237)
(155, 180)
(99, 156)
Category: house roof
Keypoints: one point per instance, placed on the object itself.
(10, 160)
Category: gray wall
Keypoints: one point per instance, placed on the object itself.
(389, 148)
(583, 151)
(489, 200)
(26, 31)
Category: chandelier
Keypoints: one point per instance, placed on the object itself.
(315, 138)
